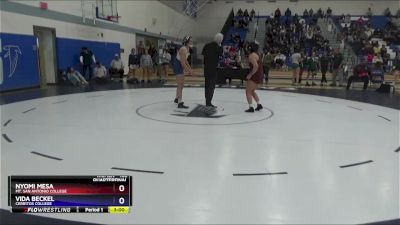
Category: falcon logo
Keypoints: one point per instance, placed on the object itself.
(12, 52)
(199, 111)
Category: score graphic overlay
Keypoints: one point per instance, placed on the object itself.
(70, 194)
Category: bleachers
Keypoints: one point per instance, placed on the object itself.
(256, 32)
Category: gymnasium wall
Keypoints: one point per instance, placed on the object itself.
(105, 38)
(79, 35)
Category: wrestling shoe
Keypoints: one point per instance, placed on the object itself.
(250, 110)
(259, 107)
(182, 106)
(212, 106)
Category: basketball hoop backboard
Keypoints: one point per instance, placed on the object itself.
(107, 10)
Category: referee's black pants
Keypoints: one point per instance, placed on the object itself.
(210, 81)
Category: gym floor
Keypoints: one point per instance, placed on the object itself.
(311, 156)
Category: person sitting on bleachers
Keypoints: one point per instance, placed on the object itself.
(279, 60)
(377, 58)
(100, 73)
(376, 48)
(360, 72)
(117, 67)
(370, 57)
(383, 51)
(75, 77)
(376, 70)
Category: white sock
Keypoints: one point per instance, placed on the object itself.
(179, 100)
(250, 106)
(258, 102)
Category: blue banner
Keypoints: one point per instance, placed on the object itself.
(18, 62)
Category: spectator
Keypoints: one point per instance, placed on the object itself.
(383, 51)
(277, 14)
(140, 48)
(240, 12)
(87, 59)
(288, 13)
(369, 13)
(337, 65)
(267, 64)
(75, 77)
(117, 67)
(396, 67)
(312, 63)
(329, 12)
(311, 13)
(296, 58)
(377, 58)
(246, 13)
(387, 12)
(329, 26)
(376, 70)
(165, 59)
(100, 74)
(280, 60)
(305, 13)
(146, 63)
(370, 57)
(377, 49)
(319, 13)
(324, 65)
(154, 56)
(134, 64)
(252, 14)
(360, 72)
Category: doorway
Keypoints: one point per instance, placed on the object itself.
(46, 42)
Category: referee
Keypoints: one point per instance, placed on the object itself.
(212, 53)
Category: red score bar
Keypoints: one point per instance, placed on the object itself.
(78, 189)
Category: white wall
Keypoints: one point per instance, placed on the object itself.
(134, 14)
(67, 30)
(212, 17)
(150, 14)
(72, 7)
(141, 14)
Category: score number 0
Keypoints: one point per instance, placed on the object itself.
(121, 200)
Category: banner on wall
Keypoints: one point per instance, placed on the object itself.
(18, 61)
